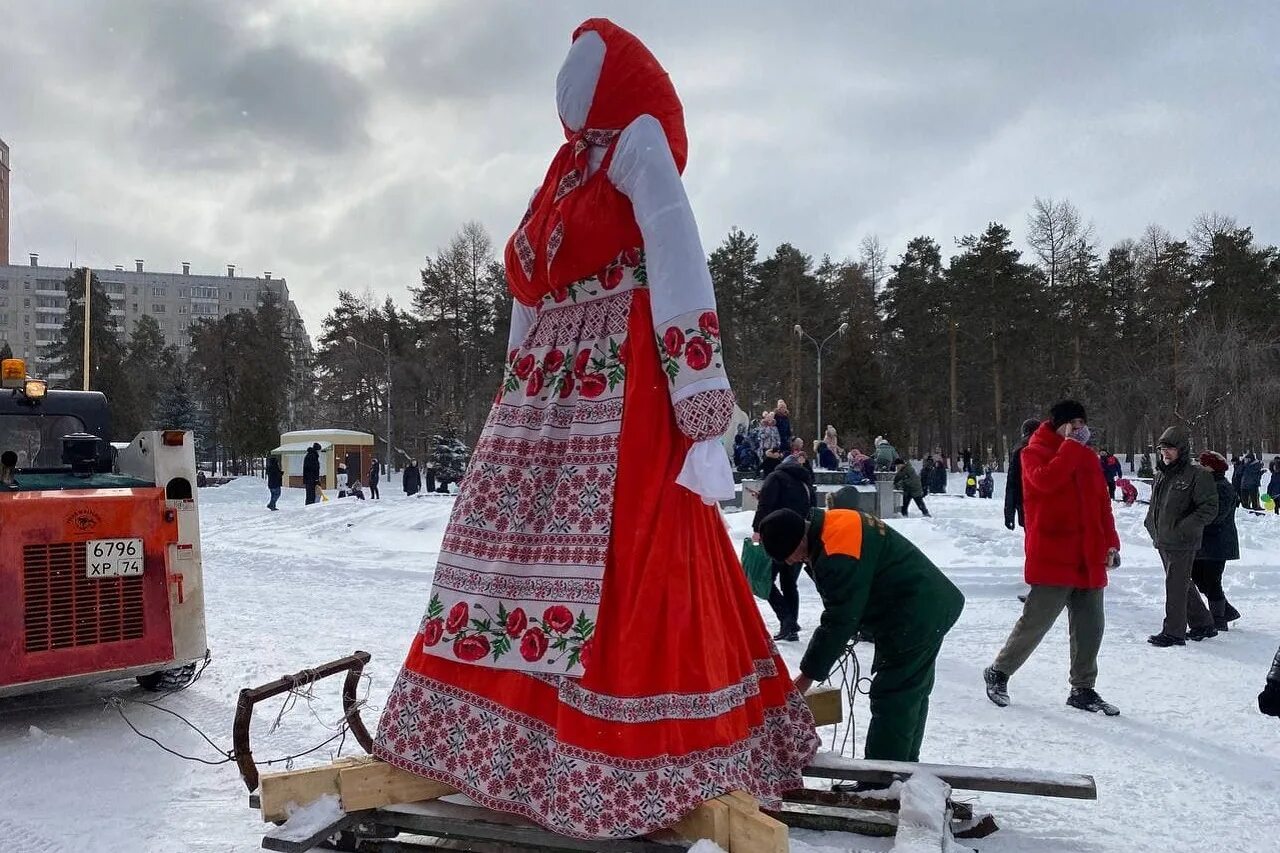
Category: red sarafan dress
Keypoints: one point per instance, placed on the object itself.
(591, 656)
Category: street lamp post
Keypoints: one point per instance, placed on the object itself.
(385, 351)
(819, 345)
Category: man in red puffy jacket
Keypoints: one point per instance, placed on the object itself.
(1071, 542)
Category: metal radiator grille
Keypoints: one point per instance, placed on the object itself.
(62, 608)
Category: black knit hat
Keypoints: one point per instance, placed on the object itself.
(781, 532)
(1029, 426)
(1066, 411)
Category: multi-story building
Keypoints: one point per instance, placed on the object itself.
(4, 203)
(33, 303)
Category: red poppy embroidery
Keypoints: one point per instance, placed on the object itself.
(553, 362)
(471, 648)
(535, 384)
(709, 323)
(432, 632)
(673, 341)
(580, 363)
(697, 353)
(610, 277)
(566, 386)
(517, 622)
(533, 645)
(593, 385)
(457, 617)
(558, 618)
(525, 366)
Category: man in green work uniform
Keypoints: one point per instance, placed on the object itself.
(871, 576)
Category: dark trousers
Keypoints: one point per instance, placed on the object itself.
(275, 496)
(786, 601)
(373, 491)
(1182, 603)
(311, 494)
(901, 682)
(1207, 576)
(906, 502)
(1249, 499)
(1111, 488)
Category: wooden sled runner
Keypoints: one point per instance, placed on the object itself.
(364, 804)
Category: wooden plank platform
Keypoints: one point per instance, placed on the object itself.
(1003, 780)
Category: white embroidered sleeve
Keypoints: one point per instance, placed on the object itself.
(684, 307)
(522, 317)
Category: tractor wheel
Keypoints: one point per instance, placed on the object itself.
(167, 679)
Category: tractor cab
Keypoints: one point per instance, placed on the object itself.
(100, 569)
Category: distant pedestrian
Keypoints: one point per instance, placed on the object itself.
(966, 460)
(788, 487)
(355, 491)
(411, 480)
(375, 472)
(1071, 543)
(1183, 500)
(827, 458)
(833, 441)
(1013, 514)
(772, 459)
(926, 473)
(311, 473)
(770, 438)
(429, 478)
(908, 480)
(275, 481)
(1273, 485)
(939, 485)
(782, 418)
(1237, 473)
(1128, 491)
(1221, 542)
(970, 486)
(1111, 471)
(1251, 482)
(987, 485)
(886, 453)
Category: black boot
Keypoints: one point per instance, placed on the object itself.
(1219, 611)
(1202, 632)
(1231, 613)
(997, 686)
(1087, 699)
(1164, 640)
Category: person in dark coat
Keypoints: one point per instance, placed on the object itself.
(1013, 481)
(275, 481)
(311, 472)
(1071, 543)
(791, 487)
(987, 485)
(939, 485)
(429, 478)
(375, 472)
(926, 473)
(1251, 483)
(1273, 485)
(871, 578)
(1183, 500)
(1237, 472)
(966, 459)
(1221, 543)
(411, 479)
(1111, 471)
(908, 480)
(1269, 698)
(782, 420)
(772, 459)
(827, 459)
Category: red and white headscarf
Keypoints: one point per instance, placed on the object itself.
(576, 224)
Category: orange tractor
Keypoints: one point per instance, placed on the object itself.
(100, 571)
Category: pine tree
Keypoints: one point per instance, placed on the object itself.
(107, 353)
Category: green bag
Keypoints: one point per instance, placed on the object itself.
(759, 568)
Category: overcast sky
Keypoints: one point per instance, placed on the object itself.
(337, 143)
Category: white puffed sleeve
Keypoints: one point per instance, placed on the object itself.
(684, 306)
(522, 317)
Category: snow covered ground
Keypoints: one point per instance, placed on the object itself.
(1190, 763)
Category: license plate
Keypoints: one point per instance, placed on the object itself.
(113, 558)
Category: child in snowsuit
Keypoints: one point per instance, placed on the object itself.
(1128, 491)
(970, 486)
(987, 486)
(871, 578)
(908, 480)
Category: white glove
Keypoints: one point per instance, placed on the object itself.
(706, 472)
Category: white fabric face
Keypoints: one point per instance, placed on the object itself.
(576, 82)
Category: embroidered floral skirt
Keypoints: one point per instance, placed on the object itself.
(681, 697)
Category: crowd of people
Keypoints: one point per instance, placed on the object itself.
(1060, 491)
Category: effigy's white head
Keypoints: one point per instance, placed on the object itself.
(576, 82)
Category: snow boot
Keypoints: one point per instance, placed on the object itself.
(1203, 632)
(997, 686)
(1023, 598)
(1087, 699)
(1219, 611)
(1164, 641)
(1231, 613)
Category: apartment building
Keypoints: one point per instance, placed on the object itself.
(33, 303)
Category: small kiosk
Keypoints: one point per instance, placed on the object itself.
(336, 445)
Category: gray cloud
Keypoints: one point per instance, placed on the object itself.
(339, 143)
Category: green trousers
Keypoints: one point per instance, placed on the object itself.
(900, 687)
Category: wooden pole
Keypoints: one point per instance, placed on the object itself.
(955, 415)
(88, 295)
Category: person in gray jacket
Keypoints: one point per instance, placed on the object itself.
(1183, 500)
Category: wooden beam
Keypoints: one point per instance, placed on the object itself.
(278, 791)
(826, 704)
(752, 831)
(368, 786)
(1004, 780)
(709, 820)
